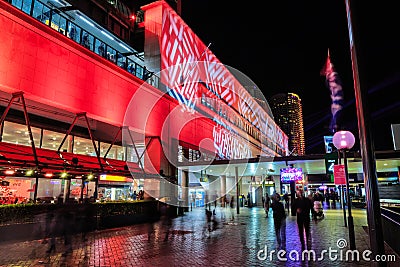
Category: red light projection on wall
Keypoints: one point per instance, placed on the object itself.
(189, 67)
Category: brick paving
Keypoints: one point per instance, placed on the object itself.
(234, 243)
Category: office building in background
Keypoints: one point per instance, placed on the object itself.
(288, 114)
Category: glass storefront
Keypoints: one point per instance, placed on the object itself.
(197, 197)
(49, 190)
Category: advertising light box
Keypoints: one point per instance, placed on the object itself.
(291, 174)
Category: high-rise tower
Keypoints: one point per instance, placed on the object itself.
(288, 114)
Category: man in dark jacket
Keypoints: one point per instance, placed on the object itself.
(279, 221)
(302, 206)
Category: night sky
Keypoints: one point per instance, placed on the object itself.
(282, 46)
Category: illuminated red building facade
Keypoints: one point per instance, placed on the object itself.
(139, 113)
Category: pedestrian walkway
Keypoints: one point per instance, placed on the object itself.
(245, 241)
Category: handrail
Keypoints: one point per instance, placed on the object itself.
(391, 215)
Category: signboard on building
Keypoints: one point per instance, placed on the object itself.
(328, 141)
(330, 160)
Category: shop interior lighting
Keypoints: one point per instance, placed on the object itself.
(48, 174)
(9, 172)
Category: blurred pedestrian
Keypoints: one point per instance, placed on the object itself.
(267, 204)
(166, 219)
(49, 217)
(87, 218)
(212, 223)
(232, 207)
(279, 215)
(286, 198)
(302, 207)
(67, 223)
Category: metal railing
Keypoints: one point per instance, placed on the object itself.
(391, 227)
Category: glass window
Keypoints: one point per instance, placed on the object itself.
(52, 140)
(111, 54)
(17, 3)
(84, 146)
(45, 17)
(139, 71)
(131, 155)
(18, 134)
(87, 40)
(74, 32)
(38, 11)
(121, 60)
(100, 48)
(55, 21)
(26, 6)
(116, 152)
(63, 25)
(131, 66)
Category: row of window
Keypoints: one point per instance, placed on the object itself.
(18, 134)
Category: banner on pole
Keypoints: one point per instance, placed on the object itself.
(339, 174)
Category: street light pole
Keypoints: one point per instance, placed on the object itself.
(350, 217)
(343, 141)
(342, 194)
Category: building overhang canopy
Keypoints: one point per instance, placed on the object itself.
(21, 158)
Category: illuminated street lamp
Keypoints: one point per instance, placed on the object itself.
(344, 141)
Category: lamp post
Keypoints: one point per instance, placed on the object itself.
(342, 196)
(343, 141)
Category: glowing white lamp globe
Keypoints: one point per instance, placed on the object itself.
(343, 140)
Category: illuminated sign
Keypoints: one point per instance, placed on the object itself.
(115, 178)
(328, 140)
(291, 174)
(331, 159)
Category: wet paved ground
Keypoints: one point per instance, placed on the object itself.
(235, 243)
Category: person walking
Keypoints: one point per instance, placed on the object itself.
(279, 215)
(286, 198)
(302, 207)
(166, 220)
(267, 204)
(232, 207)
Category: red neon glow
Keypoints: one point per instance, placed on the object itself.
(75, 82)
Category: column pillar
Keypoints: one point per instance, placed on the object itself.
(185, 189)
(223, 189)
(237, 189)
(70, 142)
(292, 195)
